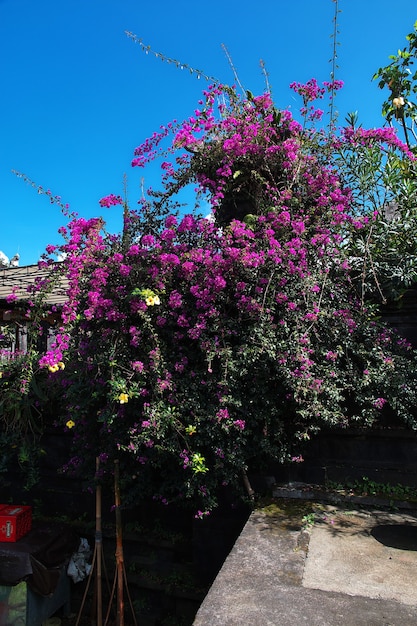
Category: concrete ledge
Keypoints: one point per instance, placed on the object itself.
(262, 582)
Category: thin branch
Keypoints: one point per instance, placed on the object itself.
(182, 66)
(333, 60)
(407, 140)
(266, 76)
(229, 58)
(369, 255)
(247, 485)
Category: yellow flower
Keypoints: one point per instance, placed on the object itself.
(1, 374)
(398, 102)
(123, 398)
(190, 430)
(53, 368)
(70, 424)
(61, 365)
(150, 297)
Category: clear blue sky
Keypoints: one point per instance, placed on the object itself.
(77, 95)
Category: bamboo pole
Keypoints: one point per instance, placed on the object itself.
(99, 550)
(96, 564)
(120, 584)
(119, 548)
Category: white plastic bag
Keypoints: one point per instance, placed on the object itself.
(78, 567)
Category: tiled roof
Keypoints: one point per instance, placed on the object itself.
(24, 276)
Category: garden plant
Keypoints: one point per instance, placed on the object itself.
(202, 344)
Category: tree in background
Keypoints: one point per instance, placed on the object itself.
(400, 76)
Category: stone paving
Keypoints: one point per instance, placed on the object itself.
(300, 562)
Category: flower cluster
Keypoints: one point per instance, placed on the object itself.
(110, 200)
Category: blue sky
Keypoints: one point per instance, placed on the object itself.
(78, 95)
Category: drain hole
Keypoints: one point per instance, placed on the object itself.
(400, 536)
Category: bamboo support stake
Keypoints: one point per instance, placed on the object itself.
(96, 565)
(120, 578)
(119, 548)
(99, 549)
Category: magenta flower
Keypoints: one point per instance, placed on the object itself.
(110, 200)
(379, 403)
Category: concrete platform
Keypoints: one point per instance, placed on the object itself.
(300, 562)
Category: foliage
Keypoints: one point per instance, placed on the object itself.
(27, 397)
(367, 487)
(385, 254)
(401, 80)
(383, 184)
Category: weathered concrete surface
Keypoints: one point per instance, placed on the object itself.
(340, 572)
(348, 553)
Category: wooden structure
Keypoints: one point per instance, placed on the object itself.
(13, 315)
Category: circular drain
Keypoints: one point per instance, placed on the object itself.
(400, 536)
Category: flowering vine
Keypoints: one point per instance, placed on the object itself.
(199, 349)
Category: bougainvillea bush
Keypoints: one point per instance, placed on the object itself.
(196, 349)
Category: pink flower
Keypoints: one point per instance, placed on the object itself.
(222, 414)
(175, 300)
(110, 200)
(379, 403)
(124, 270)
(170, 221)
(297, 459)
(147, 241)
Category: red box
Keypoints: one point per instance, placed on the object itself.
(15, 521)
